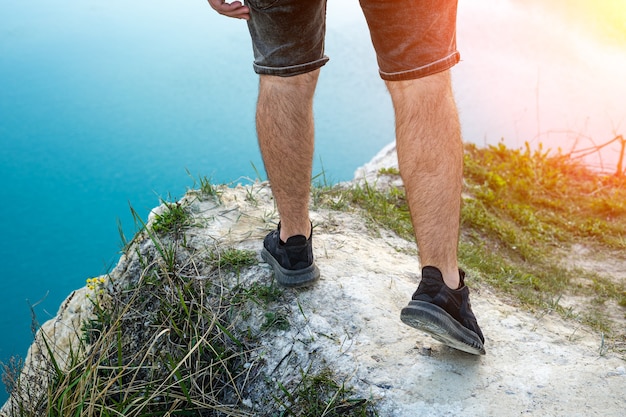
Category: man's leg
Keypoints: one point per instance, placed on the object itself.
(284, 122)
(430, 156)
(288, 44)
(286, 138)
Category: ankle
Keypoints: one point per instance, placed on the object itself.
(451, 277)
(295, 230)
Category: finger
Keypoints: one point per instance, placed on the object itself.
(235, 9)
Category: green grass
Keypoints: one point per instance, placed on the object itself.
(552, 198)
(388, 209)
(389, 171)
(173, 220)
(524, 210)
(530, 208)
(203, 186)
(231, 259)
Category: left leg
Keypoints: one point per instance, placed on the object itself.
(288, 43)
(284, 120)
(285, 130)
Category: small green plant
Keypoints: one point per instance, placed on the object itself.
(204, 186)
(275, 320)
(389, 171)
(258, 293)
(250, 196)
(207, 188)
(173, 220)
(232, 259)
(320, 395)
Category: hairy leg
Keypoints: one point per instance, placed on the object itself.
(430, 156)
(284, 121)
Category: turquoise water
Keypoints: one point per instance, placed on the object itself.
(103, 104)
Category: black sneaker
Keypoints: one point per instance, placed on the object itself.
(292, 261)
(444, 313)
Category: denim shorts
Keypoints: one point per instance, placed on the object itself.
(412, 38)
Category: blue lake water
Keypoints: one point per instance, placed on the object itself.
(106, 104)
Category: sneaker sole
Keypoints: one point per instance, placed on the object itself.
(435, 321)
(291, 278)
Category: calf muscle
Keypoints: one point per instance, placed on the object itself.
(430, 156)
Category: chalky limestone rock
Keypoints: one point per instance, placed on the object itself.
(349, 322)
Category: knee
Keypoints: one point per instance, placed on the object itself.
(301, 84)
(438, 84)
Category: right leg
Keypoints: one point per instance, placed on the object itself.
(415, 42)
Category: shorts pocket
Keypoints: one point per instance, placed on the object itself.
(261, 4)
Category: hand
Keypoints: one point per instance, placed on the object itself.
(235, 9)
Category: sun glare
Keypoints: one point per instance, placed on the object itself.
(605, 18)
(610, 17)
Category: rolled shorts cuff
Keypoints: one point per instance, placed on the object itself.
(291, 70)
(439, 65)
